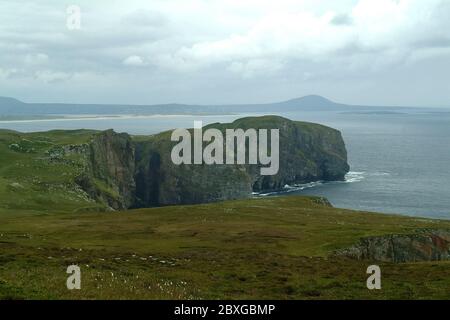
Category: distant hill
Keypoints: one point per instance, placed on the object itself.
(312, 102)
(13, 107)
(10, 105)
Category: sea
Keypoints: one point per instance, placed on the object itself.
(400, 161)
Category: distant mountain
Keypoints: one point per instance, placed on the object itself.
(312, 102)
(13, 107)
(10, 105)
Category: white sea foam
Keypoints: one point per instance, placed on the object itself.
(380, 174)
(287, 188)
(351, 177)
(355, 176)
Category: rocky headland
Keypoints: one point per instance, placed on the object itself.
(128, 172)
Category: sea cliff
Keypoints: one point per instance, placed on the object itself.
(126, 171)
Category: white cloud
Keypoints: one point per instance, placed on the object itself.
(134, 61)
(49, 76)
(377, 26)
(255, 67)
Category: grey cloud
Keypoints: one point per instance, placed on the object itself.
(342, 20)
(160, 51)
(440, 42)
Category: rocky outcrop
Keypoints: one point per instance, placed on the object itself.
(109, 174)
(139, 172)
(160, 182)
(308, 152)
(426, 245)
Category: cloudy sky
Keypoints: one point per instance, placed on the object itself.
(377, 52)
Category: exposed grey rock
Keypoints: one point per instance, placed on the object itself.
(308, 152)
(425, 245)
(109, 176)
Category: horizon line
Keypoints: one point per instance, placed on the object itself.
(325, 99)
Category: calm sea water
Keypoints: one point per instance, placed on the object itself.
(399, 162)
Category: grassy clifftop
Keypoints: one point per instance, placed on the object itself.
(37, 170)
(86, 170)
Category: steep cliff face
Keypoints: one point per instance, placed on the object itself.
(139, 172)
(308, 152)
(427, 245)
(160, 182)
(109, 174)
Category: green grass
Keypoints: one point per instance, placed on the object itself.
(261, 248)
(30, 179)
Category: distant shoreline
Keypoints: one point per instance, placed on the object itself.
(102, 117)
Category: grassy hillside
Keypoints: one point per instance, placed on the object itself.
(277, 247)
(274, 247)
(35, 174)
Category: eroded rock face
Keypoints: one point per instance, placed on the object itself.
(124, 172)
(160, 182)
(426, 245)
(308, 152)
(109, 176)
